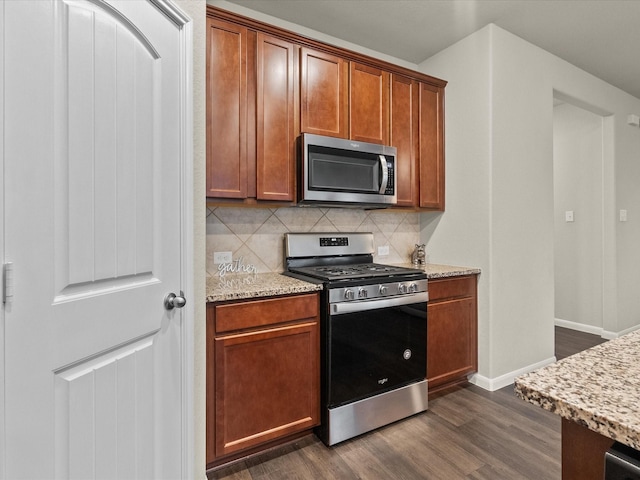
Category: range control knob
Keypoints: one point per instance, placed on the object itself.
(413, 288)
(383, 290)
(402, 288)
(348, 294)
(362, 293)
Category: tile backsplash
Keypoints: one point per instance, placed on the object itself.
(256, 235)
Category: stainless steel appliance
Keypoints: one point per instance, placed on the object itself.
(342, 172)
(373, 332)
(621, 462)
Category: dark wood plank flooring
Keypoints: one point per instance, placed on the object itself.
(469, 433)
(570, 341)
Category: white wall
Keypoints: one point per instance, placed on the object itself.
(577, 176)
(461, 235)
(240, 10)
(501, 219)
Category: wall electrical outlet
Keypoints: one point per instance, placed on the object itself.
(222, 257)
(383, 250)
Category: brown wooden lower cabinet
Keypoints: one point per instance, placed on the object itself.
(262, 373)
(582, 452)
(452, 331)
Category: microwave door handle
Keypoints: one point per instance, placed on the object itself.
(385, 174)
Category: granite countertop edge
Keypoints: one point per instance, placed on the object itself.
(259, 285)
(435, 271)
(255, 285)
(597, 388)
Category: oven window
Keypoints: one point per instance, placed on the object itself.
(348, 171)
(375, 351)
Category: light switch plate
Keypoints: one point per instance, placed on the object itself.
(568, 216)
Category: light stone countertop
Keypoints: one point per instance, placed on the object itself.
(254, 285)
(443, 271)
(238, 286)
(598, 388)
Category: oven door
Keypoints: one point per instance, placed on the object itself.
(372, 350)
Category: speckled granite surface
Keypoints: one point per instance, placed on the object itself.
(443, 271)
(598, 388)
(241, 286)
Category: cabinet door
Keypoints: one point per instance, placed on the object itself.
(267, 385)
(226, 109)
(275, 113)
(451, 340)
(431, 147)
(323, 90)
(368, 104)
(405, 136)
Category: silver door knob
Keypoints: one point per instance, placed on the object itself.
(172, 301)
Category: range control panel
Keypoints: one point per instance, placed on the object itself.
(321, 244)
(334, 241)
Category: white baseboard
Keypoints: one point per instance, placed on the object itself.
(610, 335)
(497, 383)
(502, 381)
(580, 327)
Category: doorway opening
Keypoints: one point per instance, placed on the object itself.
(578, 161)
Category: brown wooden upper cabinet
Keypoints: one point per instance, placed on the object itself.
(227, 109)
(417, 132)
(266, 85)
(343, 99)
(368, 104)
(275, 119)
(405, 136)
(323, 90)
(431, 147)
(251, 104)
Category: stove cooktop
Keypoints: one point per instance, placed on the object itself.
(354, 271)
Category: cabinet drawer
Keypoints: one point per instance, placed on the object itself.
(452, 287)
(259, 313)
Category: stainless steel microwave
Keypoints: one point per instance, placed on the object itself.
(338, 172)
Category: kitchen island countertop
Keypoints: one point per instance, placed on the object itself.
(598, 388)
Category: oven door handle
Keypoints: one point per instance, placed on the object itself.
(361, 306)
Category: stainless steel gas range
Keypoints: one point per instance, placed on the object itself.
(373, 332)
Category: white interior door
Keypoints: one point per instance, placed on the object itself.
(93, 153)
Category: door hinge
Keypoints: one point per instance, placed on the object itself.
(7, 282)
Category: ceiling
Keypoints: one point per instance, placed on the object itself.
(599, 36)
